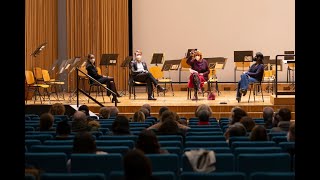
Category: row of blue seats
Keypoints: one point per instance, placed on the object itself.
(105, 163)
(167, 175)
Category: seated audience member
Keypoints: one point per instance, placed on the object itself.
(168, 115)
(137, 166)
(104, 113)
(291, 135)
(63, 130)
(236, 114)
(248, 123)
(181, 122)
(46, 122)
(114, 111)
(259, 133)
(170, 127)
(148, 143)
(84, 142)
(203, 116)
(57, 109)
(148, 107)
(161, 110)
(236, 129)
(145, 112)
(284, 123)
(267, 114)
(85, 109)
(203, 107)
(138, 117)
(79, 122)
(120, 126)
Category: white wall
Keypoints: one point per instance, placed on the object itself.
(215, 27)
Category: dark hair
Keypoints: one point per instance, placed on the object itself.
(148, 107)
(162, 109)
(204, 115)
(63, 128)
(248, 123)
(145, 112)
(121, 125)
(167, 115)
(137, 166)
(169, 127)
(236, 129)
(285, 114)
(84, 143)
(138, 117)
(46, 121)
(259, 133)
(238, 113)
(148, 142)
(85, 109)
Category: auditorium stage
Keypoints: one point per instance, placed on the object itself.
(180, 104)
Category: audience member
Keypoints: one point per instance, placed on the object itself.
(148, 143)
(259, 133)
(79, 122)
(203, 107)
(248, 123)
(46, 122)
(57, 109)
(203, 116)
(120, 126)
(138, 117)
(284, 123)
(114, 111)
(63, 130)
(236, 129)
(291, 135)
(104, 113)
(267, 114)
(236, 114)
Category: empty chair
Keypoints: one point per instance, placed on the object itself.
(170, 138)
(161, 175)
(267, 162)
(288, 147)
(41, 137)
(173, 150)
(129, 143)
(58, 142)
(213, 176)
(164, 162)
(204, 129)
(256, 150)
(72, 176)
(272, 176)
(253, 144)
(28, 176)
(205, 138)
(30, 142)
(224, 162)
(281, 133)
(238, 138)
(206, 144)
(212, 133)
(48, 162)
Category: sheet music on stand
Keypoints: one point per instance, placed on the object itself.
(189, 52)
(216, 62)
(157, 58)
(109, 59)
(171, 65)
(75, 64)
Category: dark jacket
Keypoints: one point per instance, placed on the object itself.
(92, 71)
(134, 68)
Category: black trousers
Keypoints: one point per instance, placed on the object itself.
(109, 81)
(148, 78)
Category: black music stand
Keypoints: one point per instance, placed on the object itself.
(108, 60)
(189, 52)
(241, 57)
(215, 63)
(157, 58)
(125, 64)
(37, 51)
(291, 62)
(171, 65)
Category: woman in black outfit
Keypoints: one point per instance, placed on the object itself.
(109, 81)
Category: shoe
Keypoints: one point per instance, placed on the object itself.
(151, 98)
(244, 92)
(238, 99)
(194, 98)
(114, 99)
(160, 89)
(118, 95)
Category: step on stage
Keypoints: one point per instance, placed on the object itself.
(179, 103)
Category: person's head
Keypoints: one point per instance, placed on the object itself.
(91, 58)
(248, 123)
(84, 108)
(138, 55)
(267, 114)
(63, 128)
(162, 109)
(148, 142)
(236, 114)
(114, 111)
(291, 135)
(121, 125)
(136, 165)
(203, 115)
(138, 117)
(46, 121)
(276, 119)
(258, 58)
(57, 109)
(285, 114)
(169, 126)
(147, 106)
(84, 142)
(80, 116)
(104, 112)
(167, 115)
(203, 107)
(236, 129)
(198, 56)
(145, 112)
(259, 133)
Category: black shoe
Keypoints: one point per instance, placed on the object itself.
(118, 95)
(151, 98)
(114, 99)
(238, 99)
(160, 89)
(244, 92)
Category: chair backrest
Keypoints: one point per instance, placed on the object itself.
(82, 68)
(99, 70)
(45, 75)
(29, 77)
(272, 175)
(72, 176)
(160, 162)
(38, 73)
(184, 64)
(215, 176)
(156, 72)
(49, 162)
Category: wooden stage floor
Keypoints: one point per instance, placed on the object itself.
(178, 102)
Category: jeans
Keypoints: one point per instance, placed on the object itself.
(244, 83)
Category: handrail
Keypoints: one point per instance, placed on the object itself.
(276, 79)
(101, 85)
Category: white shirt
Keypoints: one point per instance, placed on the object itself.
(140, 66)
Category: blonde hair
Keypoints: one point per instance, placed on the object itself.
(138, 117)
(198, 53)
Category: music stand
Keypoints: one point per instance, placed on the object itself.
(125, 64)
(37, 51)
(170, 65)
(291, 67)
(215, 63)
(108, 60)
(157, 58)
(189, 52)
(242, 59)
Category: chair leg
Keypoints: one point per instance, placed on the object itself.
(261, 93)
(89, 93)
(249, 92)
(172, 89)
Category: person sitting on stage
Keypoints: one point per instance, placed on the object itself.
(199, 72)
(109, 81)
(255, 74)
(140, 73)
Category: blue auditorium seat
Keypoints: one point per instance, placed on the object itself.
(213, 176)
(205, 138)
(48, 162)
(160, 175)
(164, 162)
(206, 144)
(272, 176)
(122, 137)
(73, 176)
(256, 150)
(129, 143)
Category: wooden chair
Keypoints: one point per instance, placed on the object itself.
(132, 83)
(158, 74)
(99, 89)
(52, 82)
(31, 83)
